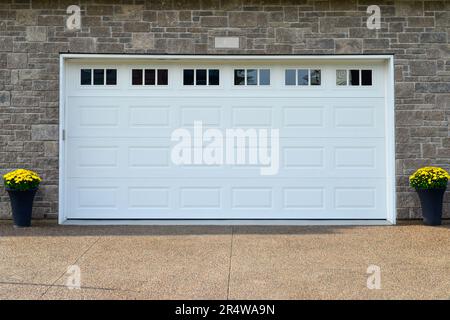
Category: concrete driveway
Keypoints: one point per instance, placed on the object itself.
(211, 262)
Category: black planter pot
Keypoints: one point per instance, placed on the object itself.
(22, 206)
(431, 201)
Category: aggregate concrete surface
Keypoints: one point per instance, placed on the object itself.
(224, 262)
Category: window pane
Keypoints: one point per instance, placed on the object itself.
(200, 77)
(136, 77)
(289, 77)
(188, 77)
(366, 77)
(86, 76)
(354, 77)
(252, 77)
(239, 77)
(315, 77)
(214, 77)
(341, 77)
(303, 77)
(111, 77)
(163, 77)
(264, 77)
(99, 77)
(149, 76)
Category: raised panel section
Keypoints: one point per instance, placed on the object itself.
(91, 116)
(235, 198)
(209, 116)
(97, 197)
(200, 197)
(306, 157)
(355, 157)
(251, 198)
(355, 198)
(150, 116)
(148, 157)
(148, 197)
(303, 117)
(252, 116)
(97, 157)
(354, 117)
(303, 198)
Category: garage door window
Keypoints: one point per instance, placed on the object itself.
(252, 77)
(149, 77)
(302, 77)
(366, 77)
(201, 77)
(86, 77)
(354, 77)
(98, 77)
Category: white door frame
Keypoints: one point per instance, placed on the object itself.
(389, 114)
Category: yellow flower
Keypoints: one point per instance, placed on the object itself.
(21, 179)
(429, 177)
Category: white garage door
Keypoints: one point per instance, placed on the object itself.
(120, 118)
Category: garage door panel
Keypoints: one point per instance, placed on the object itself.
(140, 157)
(298, 117)
(303, 117)
(141, 117)
(99, 116)
(231, 198)
(339, 157)
(93, 117)
(96, 156)
(143, 197)
(332, 146)
(253, 117)
(298, 157)
(210, 116)
(99, 200)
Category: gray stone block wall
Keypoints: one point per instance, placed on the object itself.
(32, 33)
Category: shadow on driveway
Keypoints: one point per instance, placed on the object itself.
(51, 228)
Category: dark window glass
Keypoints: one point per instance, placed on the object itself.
(213, 77)
(366, 77)
(315, 77)
(188, 77)
(252, 77)
(289, 77)
(86, 77)
(99, 77)
(302, 77)
(354, 77)
(137, 77)
(264, 77)
(200, 77)
(111, 77)
(163, 77)
(239, 77)
(149, 77)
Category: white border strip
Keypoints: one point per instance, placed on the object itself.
(390, 139)
(229, 222)
(391, 195)
(62, 106)
(222, 57)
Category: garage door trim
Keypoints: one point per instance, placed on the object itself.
(389, 105)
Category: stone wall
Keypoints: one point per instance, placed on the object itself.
(32, 33)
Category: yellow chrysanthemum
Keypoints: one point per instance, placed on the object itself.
(429, 178)
(21, 179)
